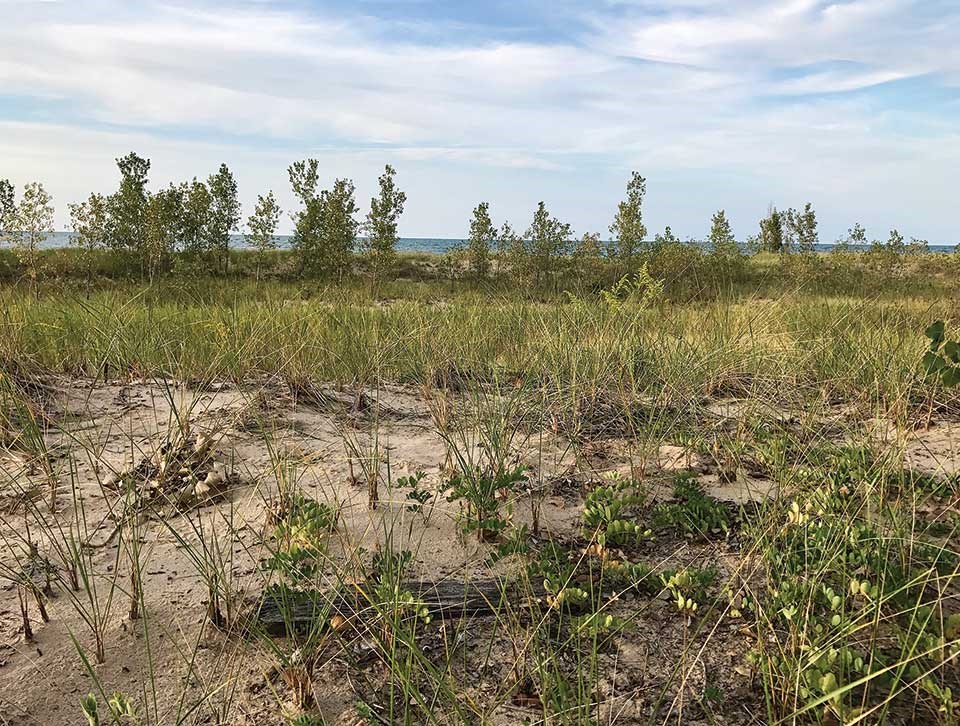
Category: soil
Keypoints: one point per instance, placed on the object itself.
(265, 436)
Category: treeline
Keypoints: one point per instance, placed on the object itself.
(190, 224)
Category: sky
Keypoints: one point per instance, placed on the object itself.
(734, 104)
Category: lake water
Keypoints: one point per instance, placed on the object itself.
(436, 245)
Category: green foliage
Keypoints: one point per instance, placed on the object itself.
(128, 205)
(480, 242)
(34, 220)
(772, 237)
(338, 229)
(380, 225)
(195, 221)
(665, 239)
(721, 240)
(122, 710)
(512, 253)
(416, 497)
(942, 360)
(90, 221)
(325, 231)
(692, 512)
(224, 214)
(549, 244)
(8, 209)
(628, 231)
(606, 509)
(162, 228)
(640, 289)
(262, 226)
(301, 530)
(688, 587)
(393, 601)
(800, 229)
(481, 489)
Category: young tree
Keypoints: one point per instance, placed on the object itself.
(721, 240)
(511, 252)
(807, 236)
(771, 232)
(338, 228)
(195, 221)
(588, 258)
(307, 221)
(381, 224)
(549, 241)
(480, 241)
(628, 230)
(665, 239)
(800, 229)
(262, 226)
(89, 220)
(128, 207)
(224, 214)
(34, 220)
(895, 243)
(8, 209)
(162, 228)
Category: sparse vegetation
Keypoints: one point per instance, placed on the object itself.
(565, 483)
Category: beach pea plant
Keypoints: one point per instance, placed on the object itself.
(606, 512)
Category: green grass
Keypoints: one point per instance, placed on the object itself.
(836, 596)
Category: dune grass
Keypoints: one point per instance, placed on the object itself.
(833, 598)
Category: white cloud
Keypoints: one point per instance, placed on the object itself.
(692, 88)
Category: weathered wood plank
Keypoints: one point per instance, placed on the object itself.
(447, 599)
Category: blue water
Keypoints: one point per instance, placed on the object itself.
(436, 245)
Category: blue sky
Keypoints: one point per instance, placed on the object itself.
(849, 104)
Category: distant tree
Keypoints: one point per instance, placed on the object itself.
(895, 243)
(381, 224)
(857, 235)
(89, 220)
(512, 253)
(163, 227)
(304, 179)
(262, 226)
(721, 240)
(665, 238)
(128, 207)
(34, 220)
(307, 221)
(8, 209)
(917, 246)
(196, 220)
(224, 214)
(549, 241)
(338, 228)
(480, 241)
(771, 232)
(588, 258)
(800, 229)
(628, 230)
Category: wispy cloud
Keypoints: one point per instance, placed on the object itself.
(786, 99)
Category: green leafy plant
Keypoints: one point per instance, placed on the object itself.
(605, 512)
(942, 360)
(481, 491)
(692, 512)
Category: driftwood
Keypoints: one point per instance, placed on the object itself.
(354, 604)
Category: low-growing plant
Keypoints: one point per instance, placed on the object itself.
(482, 492)
(606, 509)
(693, 512)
